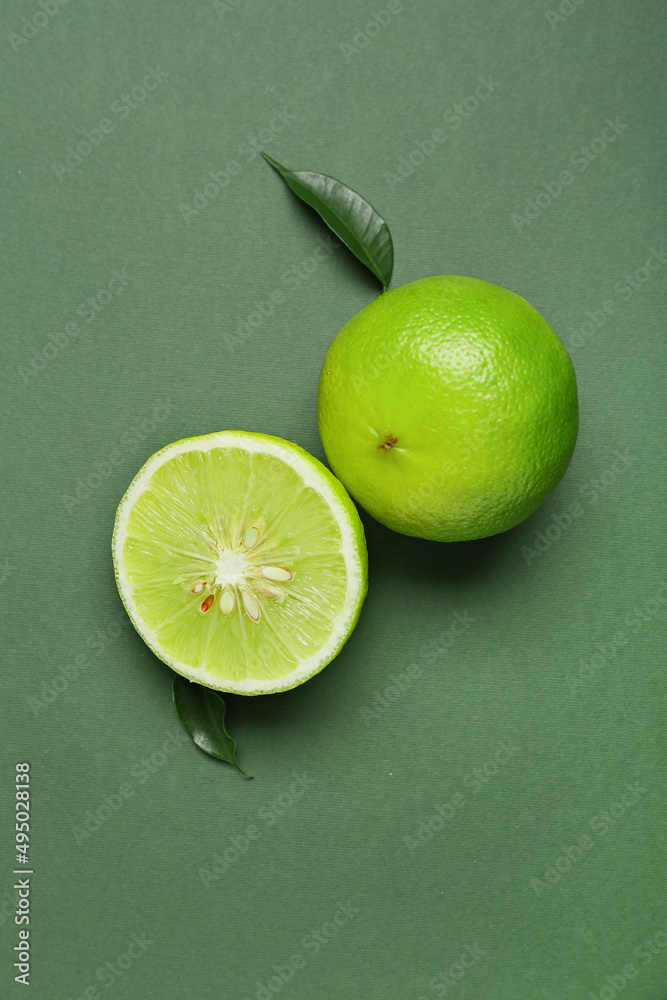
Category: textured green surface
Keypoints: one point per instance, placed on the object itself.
(547, 638)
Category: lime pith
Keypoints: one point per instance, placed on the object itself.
(241, 561)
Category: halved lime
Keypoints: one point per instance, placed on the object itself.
(241, 561)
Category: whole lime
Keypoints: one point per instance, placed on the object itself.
(448, 408)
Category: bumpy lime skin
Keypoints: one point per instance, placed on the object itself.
(448, 408)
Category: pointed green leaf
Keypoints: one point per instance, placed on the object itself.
(202, 714)
(350, 216)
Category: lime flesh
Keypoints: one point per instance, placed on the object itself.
(241, 561)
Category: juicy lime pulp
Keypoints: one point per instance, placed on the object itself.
(241, 561)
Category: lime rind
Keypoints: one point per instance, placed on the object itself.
(343, 572)
(448, 408)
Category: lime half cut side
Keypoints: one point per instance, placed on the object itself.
(241, 561)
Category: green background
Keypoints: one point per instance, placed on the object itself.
(561, 655)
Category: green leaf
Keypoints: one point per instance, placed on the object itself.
(350, 216)
(202, 714)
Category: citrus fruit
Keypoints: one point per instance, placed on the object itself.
(240, 560)
(448, 408)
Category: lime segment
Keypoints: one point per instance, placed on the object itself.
(241, 561)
